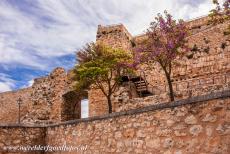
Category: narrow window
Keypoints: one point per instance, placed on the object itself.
(84, 108)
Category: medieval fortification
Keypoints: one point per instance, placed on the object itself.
(198, 122)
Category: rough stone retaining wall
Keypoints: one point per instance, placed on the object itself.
(197, 125)
(13, 136)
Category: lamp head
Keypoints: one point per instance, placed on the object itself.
(19, 100)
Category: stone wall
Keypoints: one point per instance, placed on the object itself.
(197, 125)
(71, 106)
(193, 74)
(12, 137)
(97, 103)
(182, 89)
(47, 97)
(9, 106)
(210, 55)
(114, 36)
(41, 103)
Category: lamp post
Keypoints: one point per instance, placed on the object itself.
(19, 102)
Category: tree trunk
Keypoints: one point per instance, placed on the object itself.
(109, 104)
(170, 86)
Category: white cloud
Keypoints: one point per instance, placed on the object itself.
(10, 54)
(6, 83)
(45, 29)
(30, 83)
(4, 87)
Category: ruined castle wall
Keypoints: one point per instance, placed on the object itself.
(47, 97)
(198, 24)
(195, 25)
(15, 137)
(210, 60)
(41, 103)
(115, 36)
(210, 57)
(71, 106)
(196, 125)
(199, 127)
(204, 73)
(97, 103)
(9, 106)
(182, 90)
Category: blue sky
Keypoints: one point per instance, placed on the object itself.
(38, 35)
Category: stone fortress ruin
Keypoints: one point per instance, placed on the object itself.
(142, 122)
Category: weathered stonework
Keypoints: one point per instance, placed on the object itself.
(184, 126)
(181, 92)
(207, 71)
(197, 122)
(150, 132)
(114, 36)
(9, 107)
(44, 102)
(21, 136)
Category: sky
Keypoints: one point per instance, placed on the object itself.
(38, 35)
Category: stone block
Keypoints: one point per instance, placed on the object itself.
(191, 120)
(195, 130)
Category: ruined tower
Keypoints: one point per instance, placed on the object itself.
(116, 36)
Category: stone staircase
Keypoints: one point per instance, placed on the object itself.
(141, 85)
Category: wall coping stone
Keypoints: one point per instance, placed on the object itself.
(16, 125)
(192, 100)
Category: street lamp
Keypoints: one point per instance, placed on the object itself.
(19, 102)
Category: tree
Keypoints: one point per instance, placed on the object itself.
(101, 67)
(166, 41)
(220, 14)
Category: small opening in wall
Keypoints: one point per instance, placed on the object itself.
(84, 108)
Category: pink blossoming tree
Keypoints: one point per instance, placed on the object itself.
(166, 42)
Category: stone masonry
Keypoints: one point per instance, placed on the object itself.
(191, 129)
(196, 125)
(41, 103)
(197, 122)
(205, 69)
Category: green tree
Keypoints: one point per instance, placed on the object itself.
(101, 67)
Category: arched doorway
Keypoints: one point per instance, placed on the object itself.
(71, 106)
(74, 106)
